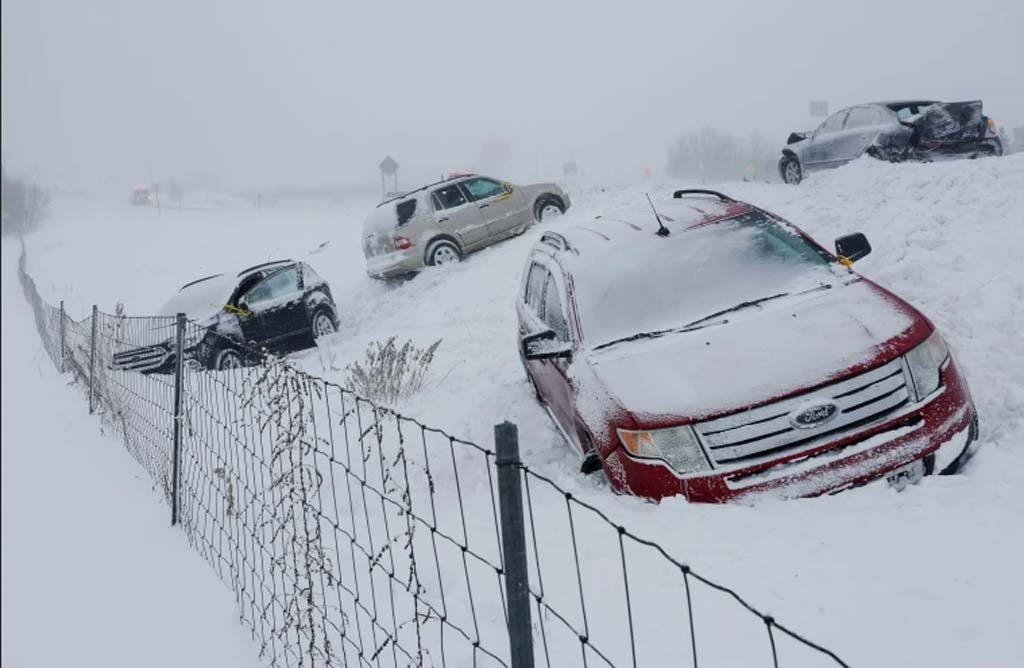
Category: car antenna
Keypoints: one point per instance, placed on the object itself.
(662, 230)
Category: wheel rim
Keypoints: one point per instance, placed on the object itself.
(792, 172)
(229, 359)
(445, 255)
(550, 211)
(322, 325)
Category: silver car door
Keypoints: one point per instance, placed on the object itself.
(501, 204)
(820, 151)
(458, 216)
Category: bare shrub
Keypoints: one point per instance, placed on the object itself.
(390, 373)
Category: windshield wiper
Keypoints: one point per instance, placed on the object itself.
(738, 307)
(661, 332)
(701, 323)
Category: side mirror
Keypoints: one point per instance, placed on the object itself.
(545, 346)
(852, 247)
(241, 310)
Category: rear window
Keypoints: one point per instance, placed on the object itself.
(405, 210)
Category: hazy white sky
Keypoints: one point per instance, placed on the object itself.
(114, 92)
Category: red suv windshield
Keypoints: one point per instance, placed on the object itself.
(659, 283)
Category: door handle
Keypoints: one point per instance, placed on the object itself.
(484, 206)
(442, 220)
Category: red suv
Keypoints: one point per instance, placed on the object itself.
(714, 350)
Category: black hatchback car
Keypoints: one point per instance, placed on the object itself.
(895, 131)
(275, 308)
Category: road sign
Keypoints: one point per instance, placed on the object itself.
(388, 166)
(819, 108)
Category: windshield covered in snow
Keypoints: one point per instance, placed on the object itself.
(661, 283)
(202, 298)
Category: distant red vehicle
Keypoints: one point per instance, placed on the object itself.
(718, 352)
(142, 197)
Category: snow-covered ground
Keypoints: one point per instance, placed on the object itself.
(927, 577)
(93, 573)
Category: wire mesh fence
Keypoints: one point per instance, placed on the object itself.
(351, 535)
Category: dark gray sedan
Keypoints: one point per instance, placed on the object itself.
(896, 131)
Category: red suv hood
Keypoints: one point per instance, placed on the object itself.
(788, 346)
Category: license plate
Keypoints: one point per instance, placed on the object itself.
(906, 475)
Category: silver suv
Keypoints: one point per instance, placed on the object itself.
(442, 222)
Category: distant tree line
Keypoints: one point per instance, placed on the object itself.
(25, 204)
(710, 154)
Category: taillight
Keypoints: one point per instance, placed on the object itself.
(991, 124)
(401, 243)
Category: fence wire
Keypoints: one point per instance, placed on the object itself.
(353, 536)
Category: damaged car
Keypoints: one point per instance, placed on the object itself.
(895, 131)
(237, 319)
(715, 351)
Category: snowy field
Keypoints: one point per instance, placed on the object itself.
(927, 577)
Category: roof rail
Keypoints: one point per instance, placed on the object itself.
(263, 264)
(422, 188)
(698, 191)
(555, 240)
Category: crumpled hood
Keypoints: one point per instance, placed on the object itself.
(759, 355)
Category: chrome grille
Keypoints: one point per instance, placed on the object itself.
(141, 359)
(768, 430)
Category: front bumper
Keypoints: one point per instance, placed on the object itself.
(940, 426)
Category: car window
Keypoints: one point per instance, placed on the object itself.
(405, 210)
(535, 288)
(862, 117)
(481, 188)
(276, 286)
(448, 197)
(554, 317)
(834, 123)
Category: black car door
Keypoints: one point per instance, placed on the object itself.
(275, 315)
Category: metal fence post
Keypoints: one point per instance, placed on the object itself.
(179, 354)
(513, 543)
(92, 358)
(62, 345)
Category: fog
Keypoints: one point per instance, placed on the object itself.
(109, 93)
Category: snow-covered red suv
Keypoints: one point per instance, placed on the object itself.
(714, 350)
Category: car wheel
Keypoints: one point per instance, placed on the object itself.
(443, 252)
(548, 209)
(323, 323)
(591, 461)
(791, 171)
(227, 358)
(992, 147)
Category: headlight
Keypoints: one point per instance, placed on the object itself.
(677, 446)
(925, 361)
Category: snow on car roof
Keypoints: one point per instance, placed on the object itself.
(638, 224)
(265, 265)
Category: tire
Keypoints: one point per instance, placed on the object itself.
(227, 358)
(591, 460)
(547, 208)
(791, 171)
(443, 251)
(957, 465)
(992, 147)
(322, 323)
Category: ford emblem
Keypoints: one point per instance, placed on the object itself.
(813, 415)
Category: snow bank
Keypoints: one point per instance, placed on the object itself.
(93, 574)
